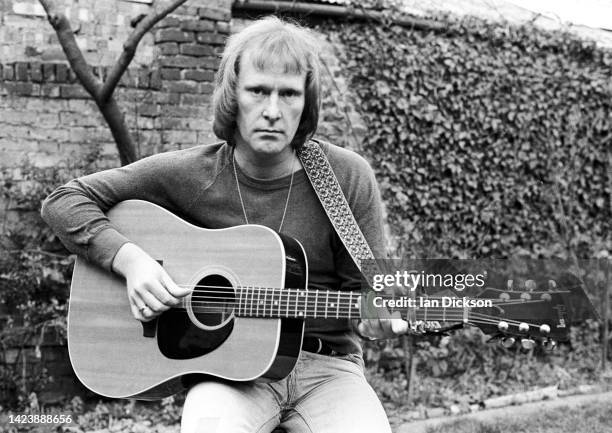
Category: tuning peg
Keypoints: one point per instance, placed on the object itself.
(523, 327)
(545, 329)
(503, 326)
(508, 342)
(530, 285)
(552, 285)
(509, 285)
(527, 343)
(549, 344)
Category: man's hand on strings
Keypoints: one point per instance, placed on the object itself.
(385, 326)
(150, 289)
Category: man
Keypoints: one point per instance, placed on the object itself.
(266, 103)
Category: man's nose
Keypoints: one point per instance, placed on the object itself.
(272, 110)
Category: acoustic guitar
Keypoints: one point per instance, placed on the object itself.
(244, 318)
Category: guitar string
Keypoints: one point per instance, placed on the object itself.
(433, 315)
(438, 317)
(308, 293)
(291, 296)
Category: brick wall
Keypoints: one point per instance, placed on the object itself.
(46, 116)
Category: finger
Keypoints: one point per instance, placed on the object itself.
(161, 293)
(139, 312)
(371, 328)
(151, 301)
(175, 290)
(398, 325)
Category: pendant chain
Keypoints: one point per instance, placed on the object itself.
(246, 218)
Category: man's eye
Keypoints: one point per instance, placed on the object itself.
(289, 94)
(258, 92)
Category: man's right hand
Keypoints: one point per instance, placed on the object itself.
(150, 289)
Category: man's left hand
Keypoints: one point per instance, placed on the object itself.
(384, 327)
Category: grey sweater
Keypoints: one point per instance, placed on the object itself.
(198, 184)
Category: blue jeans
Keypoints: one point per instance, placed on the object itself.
(323, 394)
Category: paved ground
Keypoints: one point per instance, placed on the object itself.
(509, 411)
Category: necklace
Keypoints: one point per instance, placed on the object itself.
(246, 218)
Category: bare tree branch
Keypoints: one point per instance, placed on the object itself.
(129, 47)
(102, 93)
(65, 34)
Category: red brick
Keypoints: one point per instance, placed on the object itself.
(48, 72)
(21, 71)
(197, 75)
(198, 25)
(170, 74)
(8, 72)
(169, 21)
(185, 62)
(181, 87)
(50, 90)
(215, 14)
(61, 73)
(206, 88)
(148, 110)
(75, 91)
(19, 88)
(187, 99)
(143, 78)
(223, 27)
(196, 50)
(156, 81)
(173, 35)
(170, 99)
(211, 38)
(168, 48)
(36, 73)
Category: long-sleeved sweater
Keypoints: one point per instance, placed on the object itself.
(199, 185)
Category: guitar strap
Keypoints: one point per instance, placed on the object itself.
(327, 188)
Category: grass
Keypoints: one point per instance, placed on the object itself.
(592, 417)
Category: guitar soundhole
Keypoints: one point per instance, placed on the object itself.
(203, 326)
(212, 302)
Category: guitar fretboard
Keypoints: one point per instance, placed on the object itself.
(297, 303)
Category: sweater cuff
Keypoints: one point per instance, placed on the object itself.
(104, 246)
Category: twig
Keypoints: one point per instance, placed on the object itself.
(129, 47)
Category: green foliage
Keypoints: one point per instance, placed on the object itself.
(487, 140)
(467, 369)
(34, 276)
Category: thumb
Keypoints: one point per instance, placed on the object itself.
(174, 289)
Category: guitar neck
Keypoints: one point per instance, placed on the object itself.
(266, 302)
(297, 303)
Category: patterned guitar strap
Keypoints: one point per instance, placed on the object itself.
(327, 188)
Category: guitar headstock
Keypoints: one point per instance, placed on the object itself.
(539, 310)
(518, 299)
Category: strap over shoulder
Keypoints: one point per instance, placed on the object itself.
(326, 186)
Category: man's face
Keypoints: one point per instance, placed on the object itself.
(270, 105)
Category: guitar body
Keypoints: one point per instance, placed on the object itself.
(115, 355)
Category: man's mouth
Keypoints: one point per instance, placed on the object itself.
(269, 131)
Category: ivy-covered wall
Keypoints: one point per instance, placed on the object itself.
(488, 140)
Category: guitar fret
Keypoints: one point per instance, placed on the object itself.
(326, 302)
(287, 291)
(264, 302)
(257, 307)
(280, 300)
(350, 304)
(316, 301)
(338, 306)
